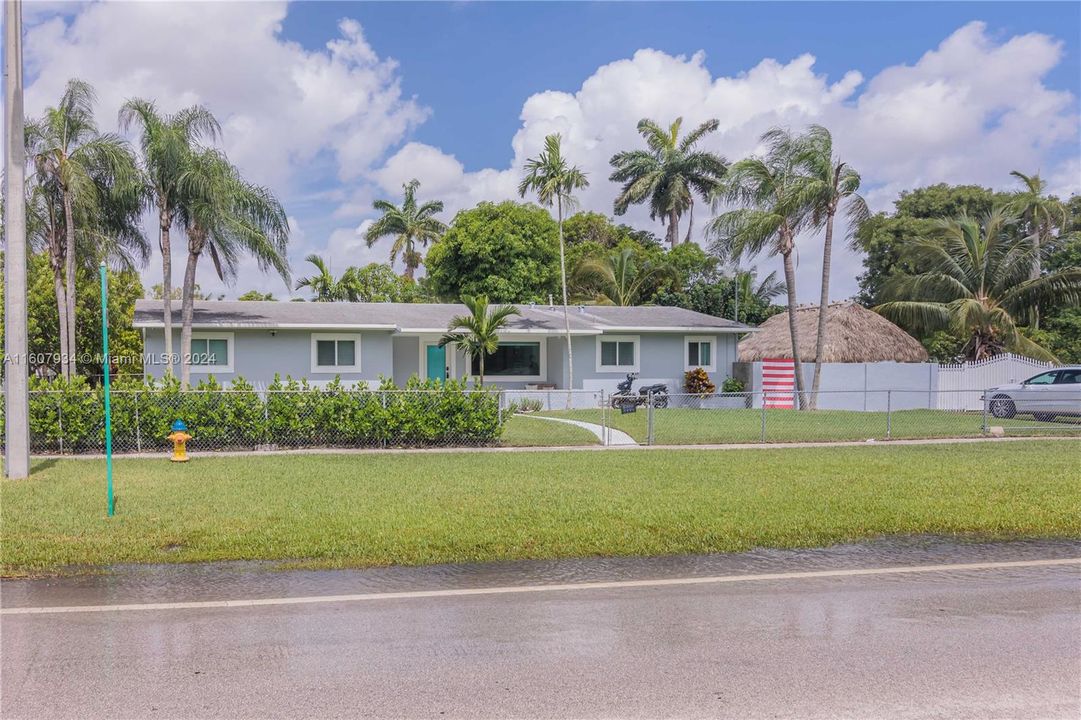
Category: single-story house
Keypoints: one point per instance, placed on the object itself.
(366, 341)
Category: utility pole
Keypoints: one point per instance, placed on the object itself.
(16, 365)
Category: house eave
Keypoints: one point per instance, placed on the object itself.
(700, 329)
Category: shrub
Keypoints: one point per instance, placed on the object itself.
(697, 382)
(732, 385)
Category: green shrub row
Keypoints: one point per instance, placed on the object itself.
(69, 415)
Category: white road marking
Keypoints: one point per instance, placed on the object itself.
(510, 590)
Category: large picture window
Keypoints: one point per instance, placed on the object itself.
(617, 353)
(211, 352)
(512, 359)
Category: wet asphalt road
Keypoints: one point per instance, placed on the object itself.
(973, 643)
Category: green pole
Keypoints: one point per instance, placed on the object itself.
(108, 408)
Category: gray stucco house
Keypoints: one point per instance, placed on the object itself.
(363, 341)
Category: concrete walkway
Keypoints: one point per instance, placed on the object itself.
(615, 437)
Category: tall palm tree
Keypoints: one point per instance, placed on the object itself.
(81, 164)
(1042, 215)
(978, 284)
(411, 224)
(669, 174)
(553, 179)
(831, 185)
(618, 278)
(477, 334)
(772, 209)
(167, 143)
(323, 284)
(225, 216)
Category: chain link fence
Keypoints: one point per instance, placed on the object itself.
(68, 422)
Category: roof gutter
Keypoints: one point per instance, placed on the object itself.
(680, 328)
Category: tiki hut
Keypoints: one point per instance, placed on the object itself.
(854, 334)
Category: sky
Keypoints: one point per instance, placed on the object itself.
(333, 105)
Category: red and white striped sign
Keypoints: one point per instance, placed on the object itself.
(779, 383)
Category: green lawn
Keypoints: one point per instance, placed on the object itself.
(684, 426)
(364, 510)
(527, 431)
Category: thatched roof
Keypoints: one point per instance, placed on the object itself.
(853, 334)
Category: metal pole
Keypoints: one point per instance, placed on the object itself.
(17, 366)
(604, 421)
(105, 368)
(763, 436)
(889, 413)
(138, 430)
(649, 418)
(986, 403)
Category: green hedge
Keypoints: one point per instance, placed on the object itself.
(68, 416)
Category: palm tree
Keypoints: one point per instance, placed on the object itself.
(669, 174)
(618, 279)
(1041, 215)
(772, 209)
(477, 334)
(749, 294)
(978, 284)
(410, 224)
(225, 216)
(830, 183)
(167, 143)
(323, 284)
(80, 166)
(554, 180)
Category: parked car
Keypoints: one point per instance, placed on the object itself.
(1044, 396)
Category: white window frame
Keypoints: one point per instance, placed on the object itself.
(230, 344)
(636, 339)
(515, 378)
(712, 340)
(318, 369)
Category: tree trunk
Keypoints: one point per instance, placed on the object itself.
(187, 310)
(690, 221)
(61, 313)
(408, 269)
(566, 309)
(673, 229)
(823, 305)
(165, 224)
(790, 280)
(1035, 273)
(69, 273)
(480, 378)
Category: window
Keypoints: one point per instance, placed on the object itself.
(1042, 379)
(512, 359)
(335, 353)
(1069, 377)
(617, 353)
(211, 352)
(699, 353)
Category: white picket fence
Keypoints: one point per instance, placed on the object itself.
(965, 382)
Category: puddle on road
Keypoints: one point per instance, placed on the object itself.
(226, 580)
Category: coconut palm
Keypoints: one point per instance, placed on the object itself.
(553, 179)
(323, 284)
(831, 185)
(167, 143)
(978, 284)
(477, 334)
(225, 216)
(410, 224)
(619, 278)
(1041, 215)
(772, 208)
(669, 174)
(81, 167)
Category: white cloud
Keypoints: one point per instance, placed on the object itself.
(970, 110)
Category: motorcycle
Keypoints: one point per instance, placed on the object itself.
(624, 396)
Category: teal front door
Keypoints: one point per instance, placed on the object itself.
(437, 363)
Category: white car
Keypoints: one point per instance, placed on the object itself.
(1044, 396)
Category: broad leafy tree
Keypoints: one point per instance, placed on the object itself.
(977, 282)
(167, 143)
(412, 226)
(669, 174)
(507, 252)
(226, 217)
(477, 334)
(554, 180)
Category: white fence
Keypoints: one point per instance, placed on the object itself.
(974, 377)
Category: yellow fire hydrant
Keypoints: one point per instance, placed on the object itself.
(180, 437)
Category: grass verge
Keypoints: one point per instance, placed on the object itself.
(364, 510)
